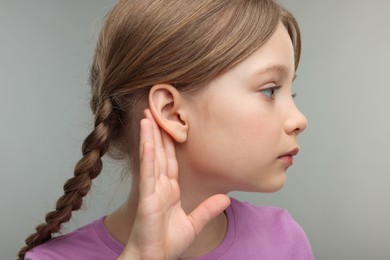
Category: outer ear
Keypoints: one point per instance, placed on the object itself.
(166, 106)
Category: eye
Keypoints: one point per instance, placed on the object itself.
(269, 92)
(294, 94)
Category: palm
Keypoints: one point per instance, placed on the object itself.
(162, 230)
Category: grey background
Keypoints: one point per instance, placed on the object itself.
(338, 188)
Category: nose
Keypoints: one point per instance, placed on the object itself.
(296, 122)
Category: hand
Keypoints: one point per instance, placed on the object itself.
(162, 230)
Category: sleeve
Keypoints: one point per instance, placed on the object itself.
(31, 256)
(42, 252)
(37, 255)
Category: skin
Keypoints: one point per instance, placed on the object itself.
(194, 150)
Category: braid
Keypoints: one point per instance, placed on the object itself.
(88, 168)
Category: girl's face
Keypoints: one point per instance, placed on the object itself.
(244, 122)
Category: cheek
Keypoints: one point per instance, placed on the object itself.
(237, 129)
(255, 139)
(237, 145)
(255, 122)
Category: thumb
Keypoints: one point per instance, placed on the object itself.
(209, 209)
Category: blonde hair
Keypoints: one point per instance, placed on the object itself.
(184, 43)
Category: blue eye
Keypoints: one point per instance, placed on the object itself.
(270, 92)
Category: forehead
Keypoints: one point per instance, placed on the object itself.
(276, 55)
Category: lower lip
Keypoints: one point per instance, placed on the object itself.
(287, 159)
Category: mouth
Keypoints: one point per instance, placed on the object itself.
(288, 158)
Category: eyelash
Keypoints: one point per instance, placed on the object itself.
(294, 95)
(274, 89)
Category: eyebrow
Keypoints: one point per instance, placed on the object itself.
(277, 67)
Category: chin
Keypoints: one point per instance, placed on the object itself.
(276, 188)
(271, 185)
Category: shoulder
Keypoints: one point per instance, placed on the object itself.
(265, 214)
(272, 227)
(83, 243)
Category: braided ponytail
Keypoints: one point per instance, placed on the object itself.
(89, 167)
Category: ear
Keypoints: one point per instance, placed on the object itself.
(166, 104)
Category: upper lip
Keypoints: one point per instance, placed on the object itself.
(293, 152)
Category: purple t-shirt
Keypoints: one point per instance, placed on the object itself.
(254, 232)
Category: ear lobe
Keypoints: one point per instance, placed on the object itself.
(166, 106)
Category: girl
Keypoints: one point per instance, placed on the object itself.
(196, 97)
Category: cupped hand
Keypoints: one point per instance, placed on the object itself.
(162, 230)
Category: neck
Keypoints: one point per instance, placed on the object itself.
(119, 224)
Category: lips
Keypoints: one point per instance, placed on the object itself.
(293, 152)
(288, 158)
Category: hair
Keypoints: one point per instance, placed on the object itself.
(146, 42)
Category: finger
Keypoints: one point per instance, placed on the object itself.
(146, 133)
(169, 148)
(208, 210)
(147, 177)
(161, 160)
